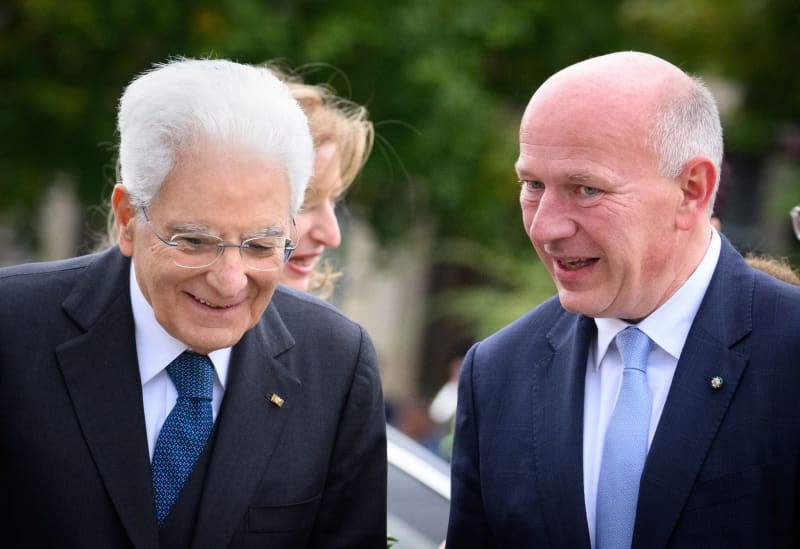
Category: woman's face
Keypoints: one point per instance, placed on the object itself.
(317, 227)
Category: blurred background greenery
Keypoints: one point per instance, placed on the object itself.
(445, 82)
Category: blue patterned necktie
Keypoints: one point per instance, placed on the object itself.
(625, 448)
(185, 431)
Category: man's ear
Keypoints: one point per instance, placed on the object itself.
(697, 185)
(124, 218)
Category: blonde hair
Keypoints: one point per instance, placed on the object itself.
(336, 120)
(331, 119)
(774, 266)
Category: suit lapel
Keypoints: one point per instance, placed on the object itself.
(559, 382)
(694, 410)
(101, 373)
(249, 428)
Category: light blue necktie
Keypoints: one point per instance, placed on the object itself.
(625, 448)
(185, 431)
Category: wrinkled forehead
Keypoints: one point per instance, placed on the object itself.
(576, 122)
(573, 134)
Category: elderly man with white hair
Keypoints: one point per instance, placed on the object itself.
(167, 392)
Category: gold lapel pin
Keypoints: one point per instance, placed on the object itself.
(276, 400)
(717, 382)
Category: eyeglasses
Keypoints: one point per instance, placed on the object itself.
(795, 213)
(195, 250)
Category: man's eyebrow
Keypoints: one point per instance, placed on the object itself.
(581, 177)
(522, 173)
(270, 230)
(577, 177)
(189, 228)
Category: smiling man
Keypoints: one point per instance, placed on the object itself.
(167, 392)
(652, 402)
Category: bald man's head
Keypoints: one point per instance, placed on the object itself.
(619, 159)
(672, 113)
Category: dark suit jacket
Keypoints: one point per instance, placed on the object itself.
(73, 450)
(724, 466)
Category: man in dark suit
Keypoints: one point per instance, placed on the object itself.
(654, 402)
(172, 341)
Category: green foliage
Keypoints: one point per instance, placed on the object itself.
(515, 282)
(446, 82)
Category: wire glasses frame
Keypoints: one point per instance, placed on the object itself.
(199, 250)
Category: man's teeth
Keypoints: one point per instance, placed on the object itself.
(575, 263)
(206, 303)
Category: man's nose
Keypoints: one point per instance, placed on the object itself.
(228, 273)
(552, 219)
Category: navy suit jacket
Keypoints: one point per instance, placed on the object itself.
(723, 468)
(74, 462)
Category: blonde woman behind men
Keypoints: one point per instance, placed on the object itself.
(343, 138)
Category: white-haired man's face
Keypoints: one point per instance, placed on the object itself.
(222, 192)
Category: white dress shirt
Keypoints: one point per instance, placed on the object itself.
(155, 349)
(667, 327)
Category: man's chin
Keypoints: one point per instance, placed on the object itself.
(207, 340)
(579, 304)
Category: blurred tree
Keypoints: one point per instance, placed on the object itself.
(446, 81)
(63, 65)
(513, 284)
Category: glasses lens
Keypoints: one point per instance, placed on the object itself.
(195, 250)
(263, 253)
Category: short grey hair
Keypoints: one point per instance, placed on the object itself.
(180, 104)
(685, 127)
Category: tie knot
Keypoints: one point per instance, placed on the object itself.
(634, 346)
(193, 375)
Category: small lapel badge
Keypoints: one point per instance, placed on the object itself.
(717, 382)
(276, 400)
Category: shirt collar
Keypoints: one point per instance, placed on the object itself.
(669, 325)
(155, 347)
